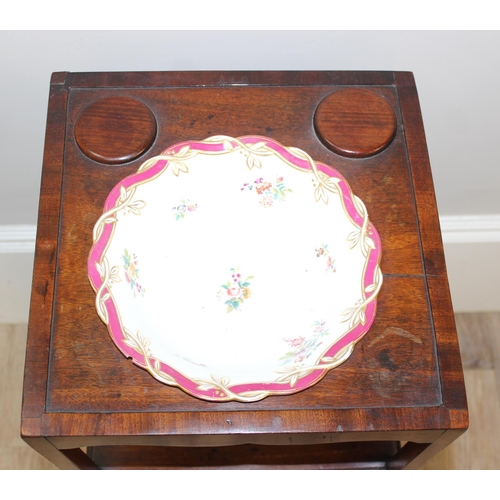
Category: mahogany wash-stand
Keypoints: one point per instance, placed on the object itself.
(397, 401)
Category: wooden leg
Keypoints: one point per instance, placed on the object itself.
(414, 455)
(64, 459)
(80, 459)
(408, 456)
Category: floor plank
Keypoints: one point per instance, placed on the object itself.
(479, 447)
(476, 335)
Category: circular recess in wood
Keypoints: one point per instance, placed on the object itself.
(355, 122)
(115, 130)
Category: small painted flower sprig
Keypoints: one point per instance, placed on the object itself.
(235, 291)
(182, 208)
(267, 192)
(303, 347)
(130, 263)
(323, 252)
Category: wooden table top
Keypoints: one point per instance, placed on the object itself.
(405, 375)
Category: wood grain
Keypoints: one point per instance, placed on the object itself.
(343, 455)
(115, 130)
(42, 293)
(355, 122)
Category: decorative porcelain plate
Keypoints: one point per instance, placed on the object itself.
(235, 269)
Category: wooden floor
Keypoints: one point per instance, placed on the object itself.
(478, 448)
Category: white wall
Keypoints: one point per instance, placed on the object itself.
(457, 75)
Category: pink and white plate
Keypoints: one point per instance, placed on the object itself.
(235, 269)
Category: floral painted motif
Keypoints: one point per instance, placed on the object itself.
(324, 253)
(130, 263)
(182, 208)
(267, 192)
(303, 347)
(235, 291)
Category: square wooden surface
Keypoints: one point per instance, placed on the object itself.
(404, 380)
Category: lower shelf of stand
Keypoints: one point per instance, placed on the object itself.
(359, 455)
